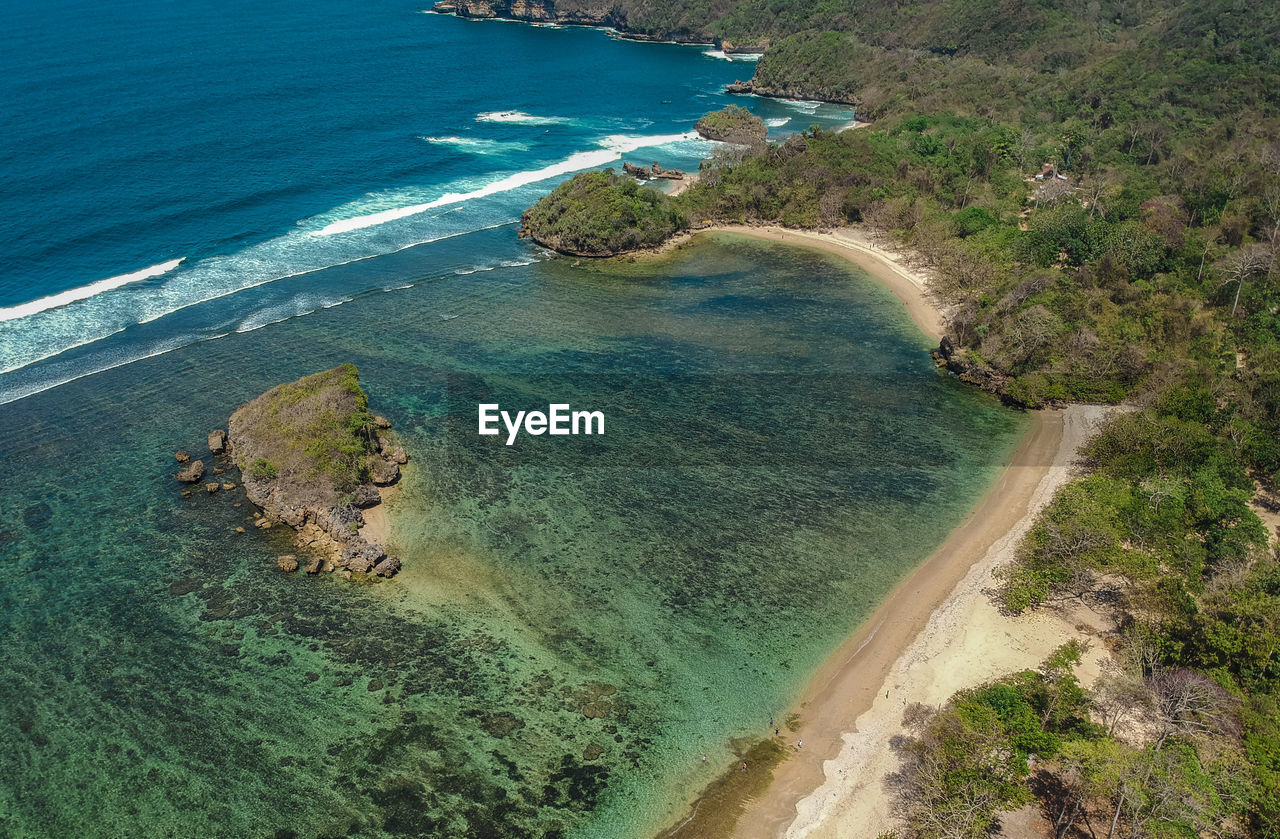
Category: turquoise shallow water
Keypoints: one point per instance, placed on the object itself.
(779, 451)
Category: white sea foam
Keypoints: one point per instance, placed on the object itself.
(298, 307)
(804, 105)
(517, 263)
(45, 334)
(62, 298)
(521, 118)
(733, 56)
(612, 148)
(174, 342)
(777, 122)
(478, 145)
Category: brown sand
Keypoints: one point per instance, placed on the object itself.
(937, 633)
(376, 528)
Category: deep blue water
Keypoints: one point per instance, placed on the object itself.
(258, 143)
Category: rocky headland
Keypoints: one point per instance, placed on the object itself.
(683, 30)
(312, 456)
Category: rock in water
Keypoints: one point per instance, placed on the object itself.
(362, 558)
(732, 125)
(389, 567)
(287, 563)
(211, 487)
(307, 453)
(182, 456)
(217, 441)
(193, 472)
(638, 172)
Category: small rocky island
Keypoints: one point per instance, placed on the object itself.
(602, 214)
(732, 124)
(312, 456)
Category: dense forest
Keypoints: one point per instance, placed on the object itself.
(1095, 189)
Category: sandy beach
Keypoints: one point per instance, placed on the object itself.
(936, 633)
(889, 267)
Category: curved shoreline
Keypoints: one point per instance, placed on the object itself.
(910, 649)
(908, 285)
(907, 649)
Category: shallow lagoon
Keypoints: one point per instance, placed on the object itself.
(579, 619)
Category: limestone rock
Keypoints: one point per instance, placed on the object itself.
(313, 565)
(388, 567)
(365, 497)
(182, 456)
(211, 487)
(385, 472)
(193, 472)
(287, 563)
(217, 441)
(399, 455)
(637, 172)
(362, 558)
(381, 422)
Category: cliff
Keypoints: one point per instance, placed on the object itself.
(312, 456)
(634, 24)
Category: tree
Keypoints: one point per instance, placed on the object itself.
(1245, 264)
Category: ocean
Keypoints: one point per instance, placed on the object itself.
(201, 201)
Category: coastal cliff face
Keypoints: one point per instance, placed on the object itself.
(312, 456)
(536, 11)
(633, 25)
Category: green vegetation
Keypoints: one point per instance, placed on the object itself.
(733, 125)
(263, 470)
(601, 214)
(1095, 189)
(314, 435)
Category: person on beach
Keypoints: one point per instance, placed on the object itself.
(800, 745)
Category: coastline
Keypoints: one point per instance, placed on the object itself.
(937, 632)
(907, 284)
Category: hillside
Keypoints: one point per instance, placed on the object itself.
(601, 214)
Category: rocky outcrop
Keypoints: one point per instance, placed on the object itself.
(670, 174)
(193, 472)
(740, 88)
(638, 172)
(217, 442)
(182, 456)
(566, 13)
(732, 124)
(365, 497)
(953, 358)
(302, 469)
